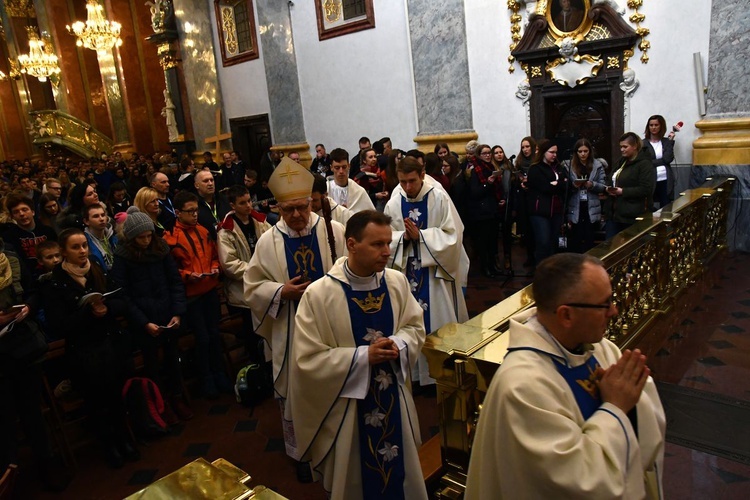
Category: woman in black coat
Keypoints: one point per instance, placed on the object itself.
(661, 151)
(547, 191)
(156, 300)
(484, 201)
(97, 351)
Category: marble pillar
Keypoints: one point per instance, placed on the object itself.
(199, 66)
(437, 30)
(724, 148)
(280, 62)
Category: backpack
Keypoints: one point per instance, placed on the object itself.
(253, 384)
(144, 406)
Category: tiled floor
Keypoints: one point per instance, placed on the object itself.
(703, 345)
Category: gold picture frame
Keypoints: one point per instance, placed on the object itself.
(574, 25)
(341, 17)
(235, 20)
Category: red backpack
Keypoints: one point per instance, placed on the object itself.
(144, 406)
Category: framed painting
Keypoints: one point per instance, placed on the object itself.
(341, 17)
(568, 18)
(235, 20)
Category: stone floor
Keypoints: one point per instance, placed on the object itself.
(703, 345)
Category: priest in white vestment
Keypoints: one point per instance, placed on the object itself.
(343, 190)
(428, 248)
(338, 212)
(291, 255)
(567, 415)
(353, 410)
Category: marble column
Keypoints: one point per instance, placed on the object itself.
(199, 68)
(724, 148)
(280, 62)
(437, 30)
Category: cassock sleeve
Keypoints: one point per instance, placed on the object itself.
(262, 285)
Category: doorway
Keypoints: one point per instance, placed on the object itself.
(569, 118)
(251, 136)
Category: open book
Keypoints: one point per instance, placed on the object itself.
(90, 297)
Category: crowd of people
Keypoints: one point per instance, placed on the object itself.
(114, 255)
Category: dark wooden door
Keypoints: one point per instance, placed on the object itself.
(569, 118)
(251, 136)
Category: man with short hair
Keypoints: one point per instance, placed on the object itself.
(360, 429)
(231, 174)
(295, 252)
(567, 415)
(212, 206)
(167, 216)
(208, 161)
(100, 235)
(198, 262)
(364, 143)
(322, 162)
(294, 156)
(24, 182)
(53, 187)
(236, 239)
(343, 190)
(320, 197)
(428, 247)
(24, 233)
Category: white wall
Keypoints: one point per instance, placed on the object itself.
(243, 86)
(358, 84)
(668, 80)
(499, 117)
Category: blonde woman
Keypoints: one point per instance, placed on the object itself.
(147, 201)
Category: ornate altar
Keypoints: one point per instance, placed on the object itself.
(200, 479)
(651, 264)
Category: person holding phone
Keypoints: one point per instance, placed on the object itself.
(631, 185)
(484, 205)
(584, 207)
(156, 302)
(548, 187)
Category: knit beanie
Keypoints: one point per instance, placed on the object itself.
(136, 223)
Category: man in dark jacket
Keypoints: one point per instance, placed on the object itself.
(25, 233)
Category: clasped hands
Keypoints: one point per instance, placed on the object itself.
(621, 384)
(411, 230)
(382, 349)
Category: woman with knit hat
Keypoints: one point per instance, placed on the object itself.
(155, 294)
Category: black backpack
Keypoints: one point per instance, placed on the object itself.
(144, 406)
(254, 384)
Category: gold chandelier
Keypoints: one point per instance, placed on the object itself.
(97, 33)
(41, 61)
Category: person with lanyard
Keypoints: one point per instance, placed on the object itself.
(298, 250)
(100, 236)
(567, 415)
(166, 217)
(358, 365)
(631, 185)
(428, 248)
(212, 207)
(236, 239)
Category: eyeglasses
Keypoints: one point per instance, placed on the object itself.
(191, 212)
(295, 208)
(581, 305)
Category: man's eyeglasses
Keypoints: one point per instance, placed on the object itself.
(289, 210)
(581, 305)
(191, 212)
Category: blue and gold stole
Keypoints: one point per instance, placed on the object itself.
(418, 277)
(581, 380)
(303, 256)
(379, 414)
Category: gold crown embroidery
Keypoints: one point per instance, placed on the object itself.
(590, 385)
(370, 304)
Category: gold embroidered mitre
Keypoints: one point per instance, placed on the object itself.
(290, 181)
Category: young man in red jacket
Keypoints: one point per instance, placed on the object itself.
(198, 262)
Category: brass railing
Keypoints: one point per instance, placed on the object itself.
(55, 127)
(651, 264)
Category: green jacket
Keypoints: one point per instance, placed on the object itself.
(637, 180)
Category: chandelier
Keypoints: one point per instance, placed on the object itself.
(97, 33)
(40, 62)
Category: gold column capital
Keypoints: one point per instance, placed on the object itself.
(455, 141)
(302, 148)
(725, 141)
